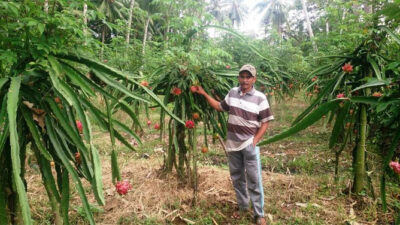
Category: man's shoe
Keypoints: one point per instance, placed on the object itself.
(261, 221)
(236, 215)
(239, 213)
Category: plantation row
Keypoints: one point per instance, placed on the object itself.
(57, 56)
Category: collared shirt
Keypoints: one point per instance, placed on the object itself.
(247, 111)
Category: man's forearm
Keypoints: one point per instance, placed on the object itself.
(260, 133)
(213, 103)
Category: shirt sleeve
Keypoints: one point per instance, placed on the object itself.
(265, 113)
(224, 104)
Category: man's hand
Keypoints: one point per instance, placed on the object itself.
(260, 133)
(199, 90)
(213, 103)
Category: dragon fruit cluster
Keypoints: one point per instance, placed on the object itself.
(123, 187)
(395, 166)
(189, 124)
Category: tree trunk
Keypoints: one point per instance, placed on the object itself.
(48, 182)
(136, 108)
(177, 144)
(167, 27)
(180, 136)
(166, 35)
(343, 17)
(128, 28)
(337, 156)
(85, 13)
(103, 34)
(170, 161)
(194, 152)
(46, 6)
(359, 160)
(146, 29)
(85, 18)
(65, 196)
(355, 10)
(13, 210)
(6, 202)
(308, 23)
(279, 30)
(368, 8)
(327, 27)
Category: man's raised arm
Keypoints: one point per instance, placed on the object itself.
(213, 103)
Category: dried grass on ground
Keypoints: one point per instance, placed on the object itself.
(165, 200)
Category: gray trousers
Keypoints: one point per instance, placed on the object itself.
(245, 170)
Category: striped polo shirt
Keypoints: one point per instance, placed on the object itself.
(246, 114)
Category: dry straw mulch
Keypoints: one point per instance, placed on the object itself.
(166, 200)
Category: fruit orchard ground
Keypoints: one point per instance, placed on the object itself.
(297, 172)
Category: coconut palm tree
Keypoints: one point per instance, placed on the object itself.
(215, 9)
(150, 9)
(110, 11)
(46, 6)
(84, 16)
(129, 24)
(308, 24)
(236, 11)
(273, 12)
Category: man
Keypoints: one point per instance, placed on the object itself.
(249, 114)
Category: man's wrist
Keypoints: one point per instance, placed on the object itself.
(255, 141)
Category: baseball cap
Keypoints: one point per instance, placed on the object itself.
(250, 68)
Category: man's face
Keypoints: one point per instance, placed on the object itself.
(246, 81)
